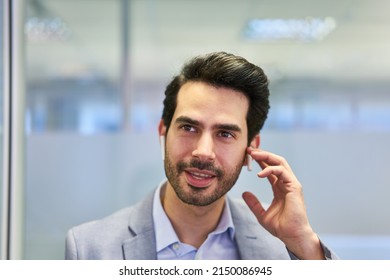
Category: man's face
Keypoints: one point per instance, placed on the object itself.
(206, 142)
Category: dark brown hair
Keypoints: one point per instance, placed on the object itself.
(222, 69)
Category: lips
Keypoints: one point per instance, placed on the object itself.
(199, 178)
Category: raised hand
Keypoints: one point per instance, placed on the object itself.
(286, 217)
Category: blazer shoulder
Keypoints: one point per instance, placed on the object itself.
(99, 239)
(113, 224)
(103, 238)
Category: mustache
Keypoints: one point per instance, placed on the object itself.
(201, 165)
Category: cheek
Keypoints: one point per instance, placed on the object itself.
(178, 148)
(231, 157)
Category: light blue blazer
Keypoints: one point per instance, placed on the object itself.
(129, 234)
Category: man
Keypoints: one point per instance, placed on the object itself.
(213, 113)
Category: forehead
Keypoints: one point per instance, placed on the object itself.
(208, 103)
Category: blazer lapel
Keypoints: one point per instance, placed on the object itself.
(253, 241)
(142, 243)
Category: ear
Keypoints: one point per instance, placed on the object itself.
(162, 129)
(255, 143)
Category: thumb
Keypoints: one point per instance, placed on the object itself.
(254, 204)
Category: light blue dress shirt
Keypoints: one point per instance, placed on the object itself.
(219, 245)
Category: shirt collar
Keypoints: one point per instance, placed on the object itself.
(166, 235)
(226, 222)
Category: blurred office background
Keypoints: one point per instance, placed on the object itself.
(94, 73)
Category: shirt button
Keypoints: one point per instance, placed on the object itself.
(176, 246)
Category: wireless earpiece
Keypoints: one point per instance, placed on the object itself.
(162, 145)
(249, 162)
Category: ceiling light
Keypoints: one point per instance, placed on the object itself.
(46, 29)
(308, 29)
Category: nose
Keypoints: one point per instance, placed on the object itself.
(204, 148)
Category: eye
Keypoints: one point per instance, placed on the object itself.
(226, 134)
(188, 128)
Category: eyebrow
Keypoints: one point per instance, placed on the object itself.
(188, 120)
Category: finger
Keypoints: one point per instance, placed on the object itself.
(261, 155)
(278, 173)
(264, 157)
(263, 164)
(254, 204)
(272, 179)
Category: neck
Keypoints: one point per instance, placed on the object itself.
(192, 224)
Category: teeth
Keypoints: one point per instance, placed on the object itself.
(201, 175)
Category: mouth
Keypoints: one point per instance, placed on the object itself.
(199, 178)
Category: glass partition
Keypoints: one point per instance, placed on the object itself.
(97, 70)
(74, 106)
